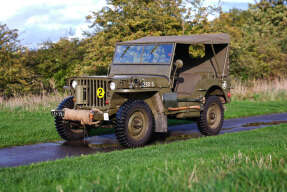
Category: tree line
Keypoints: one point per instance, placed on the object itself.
(258, 47)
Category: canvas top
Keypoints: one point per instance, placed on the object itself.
(214, 38)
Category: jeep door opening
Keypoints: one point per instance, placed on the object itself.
(150, 80)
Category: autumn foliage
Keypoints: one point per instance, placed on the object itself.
(258, 48)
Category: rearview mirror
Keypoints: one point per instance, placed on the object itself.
(178, 63)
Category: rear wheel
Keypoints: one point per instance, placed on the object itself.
(211, 117)
(134, 124)
(69, 130)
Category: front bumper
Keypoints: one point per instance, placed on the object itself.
(86, 117)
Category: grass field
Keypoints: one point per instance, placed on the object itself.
(246, 161)
(19, 126)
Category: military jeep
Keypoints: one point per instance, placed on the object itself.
(150, 80)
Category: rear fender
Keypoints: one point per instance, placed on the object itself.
(217, 91)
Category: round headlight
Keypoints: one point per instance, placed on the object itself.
(74, 84)
(113, 85)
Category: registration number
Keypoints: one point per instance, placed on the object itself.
(57, 113)
(148, 84)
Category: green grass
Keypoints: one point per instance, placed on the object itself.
(246, 161)
(20, 127)
(237, 109)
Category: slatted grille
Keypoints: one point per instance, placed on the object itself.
(90, 87)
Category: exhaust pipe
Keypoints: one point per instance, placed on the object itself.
(183, 108)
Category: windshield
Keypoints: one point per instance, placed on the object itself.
(143, 54)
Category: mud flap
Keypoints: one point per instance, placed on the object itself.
(160, 119)
(160, 123)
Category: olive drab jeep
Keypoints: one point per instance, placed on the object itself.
(150, 80)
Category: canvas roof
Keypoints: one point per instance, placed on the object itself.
(214, 38)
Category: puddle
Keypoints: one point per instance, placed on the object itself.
(263, 123)
(95, 144)
(175, 136)
(76, 143)
(105, 147)
(225, 129)
(111, 145)
(181, 136)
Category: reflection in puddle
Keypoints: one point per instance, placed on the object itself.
(81, 143)
(264, 123)
(182, 136)
(85, 144)
(175, 136)
(111, 144)
(225, 129)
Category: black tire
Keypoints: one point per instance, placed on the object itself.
(70, 131)
(211, 117)
(134, 124)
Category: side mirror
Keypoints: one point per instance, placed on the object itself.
(178, 63)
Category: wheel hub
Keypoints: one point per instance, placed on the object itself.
(137, 124)
(213, 116)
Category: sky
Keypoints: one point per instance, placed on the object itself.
(49, 20)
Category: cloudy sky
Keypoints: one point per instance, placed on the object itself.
(41, 20)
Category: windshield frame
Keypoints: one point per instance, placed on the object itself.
(145, 44)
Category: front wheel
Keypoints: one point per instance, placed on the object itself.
(134, 124)
(69, 130)
(211, 117)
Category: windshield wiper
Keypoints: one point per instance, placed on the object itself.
(153, 49)
(125, 51)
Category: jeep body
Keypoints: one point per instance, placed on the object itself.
(150, 80)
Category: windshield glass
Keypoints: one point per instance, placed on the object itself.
(143, 54)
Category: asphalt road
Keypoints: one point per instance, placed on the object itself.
(25, 155)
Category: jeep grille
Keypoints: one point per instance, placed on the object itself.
(88, 92)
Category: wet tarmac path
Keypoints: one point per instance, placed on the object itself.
(24, 155)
